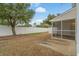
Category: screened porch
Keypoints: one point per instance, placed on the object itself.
(64, 29)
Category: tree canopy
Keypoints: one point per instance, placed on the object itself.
(15, 13)
(46, 22)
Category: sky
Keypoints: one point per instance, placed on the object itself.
(42, 10)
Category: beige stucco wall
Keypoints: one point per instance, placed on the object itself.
(70, 14)
(77, 30)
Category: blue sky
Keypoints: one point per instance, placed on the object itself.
(42, 10)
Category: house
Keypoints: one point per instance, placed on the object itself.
(65, 24)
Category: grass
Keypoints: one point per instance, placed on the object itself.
(25, 45)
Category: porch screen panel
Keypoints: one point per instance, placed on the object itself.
(68, 29)
(57, 29)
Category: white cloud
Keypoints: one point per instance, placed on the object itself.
(40, 10)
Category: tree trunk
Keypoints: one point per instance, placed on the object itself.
(13, 30)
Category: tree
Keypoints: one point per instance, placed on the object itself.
(15, 13)
(46, 22)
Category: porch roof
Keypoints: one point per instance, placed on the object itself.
(69, 14)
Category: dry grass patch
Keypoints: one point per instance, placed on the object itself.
(24, 45)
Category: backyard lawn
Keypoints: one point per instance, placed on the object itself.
(26, 45)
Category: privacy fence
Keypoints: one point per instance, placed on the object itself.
(6, 30)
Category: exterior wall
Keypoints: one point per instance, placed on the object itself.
(69, 14)
(77, 29)
(5, 30)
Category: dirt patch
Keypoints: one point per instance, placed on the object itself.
(24, 45)
(64, 46)
(26, 36)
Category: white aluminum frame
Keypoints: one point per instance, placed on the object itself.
(60, 31)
